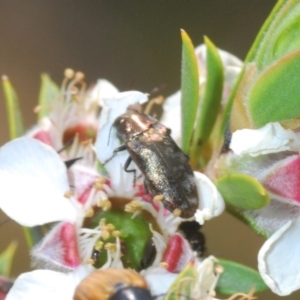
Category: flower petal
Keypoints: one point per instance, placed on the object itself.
(107, 141)
(271, 138)
(59, 249)
(159, 280)
(103, 89)
(171, 117)
(33, 182)
(42, 284)
(279, 259)
(211, 202)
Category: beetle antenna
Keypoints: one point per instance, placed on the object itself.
(109, 135)
(67, 144)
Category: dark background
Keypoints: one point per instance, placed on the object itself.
(134, 44)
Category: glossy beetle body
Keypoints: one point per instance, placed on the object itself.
(165, 167)
(113, 284)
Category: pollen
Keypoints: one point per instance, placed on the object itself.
(105, 235)
(90, 261)
(99, 183)
(158, 198)
(176, 212)
(116, 233)
(110, 247)
(68, 194)
(219, 269)
(89, 213)
(79, 76)
(150, 130)
(164, 264)
(69, 73)
(133, 206)
(37, 109)
(109, 227)
(105, 205)
(102, 222)
(99, 245)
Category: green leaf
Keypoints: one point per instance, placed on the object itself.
(6, 258)
(238, 278)
(15, 122)
(184, 283)
(210, 104)
(275, 49)
(49, 91)
(275, 95)
(243, 191)
(189, 90)
(278, 36)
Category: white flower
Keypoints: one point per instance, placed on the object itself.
(271, 138)
(271, 154)
(36, 191)
(45, 284)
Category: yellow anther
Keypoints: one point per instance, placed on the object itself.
(150, 130)
(110, 246)
(105, 235)
(104, 204)
(159, 100)
(219, 269)
(37, 109)
(69, 73)
(163, 264)
(68, 194)
(98, 245)
(102, 222)
(90, 261)
(158, 198)
(176, 212)
(89, 213)
(116, 233)
(133, 206)
(110, 227)
(98, 185)
(79, 76)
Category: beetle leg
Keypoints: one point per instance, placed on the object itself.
(118, 149)
(146, 187)
(127, 163)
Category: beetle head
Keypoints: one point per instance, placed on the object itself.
(131, 124)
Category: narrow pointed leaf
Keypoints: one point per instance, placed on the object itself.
(6, 258)
(49, 91)
(189, 90)
(15, 122)
(243, 191)
(209, 106)
(238, 278)
(275, 95)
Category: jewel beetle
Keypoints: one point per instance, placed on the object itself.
(165, 167)
(113, 284)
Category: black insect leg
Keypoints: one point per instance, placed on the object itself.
(119, 149)
(127, 163)
(146, 187)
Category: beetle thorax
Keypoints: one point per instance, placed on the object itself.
(131, 124)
